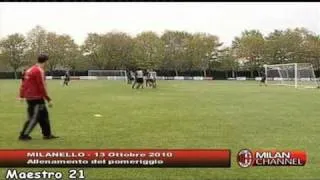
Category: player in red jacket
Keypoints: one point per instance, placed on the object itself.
(33, 90)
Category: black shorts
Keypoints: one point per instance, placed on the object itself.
(263, 80)
(151, 80)
(139, 80)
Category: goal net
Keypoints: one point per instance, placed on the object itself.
(109, 74)
(294, 74)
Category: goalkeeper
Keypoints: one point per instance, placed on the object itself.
(66, 78)
(263, 79)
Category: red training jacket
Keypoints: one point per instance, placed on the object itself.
(33, 86)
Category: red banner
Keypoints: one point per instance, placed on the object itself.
(105, 158)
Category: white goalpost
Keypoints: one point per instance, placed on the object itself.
(109, 74)
(293, 74)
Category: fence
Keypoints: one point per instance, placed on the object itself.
(185, 75)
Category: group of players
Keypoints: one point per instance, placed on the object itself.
(137, 79)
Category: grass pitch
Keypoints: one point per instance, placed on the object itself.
(178, 114)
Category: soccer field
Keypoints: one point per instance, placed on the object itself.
(178, 114)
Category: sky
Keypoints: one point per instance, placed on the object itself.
(225, 20)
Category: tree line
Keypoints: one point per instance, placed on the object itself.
(176, 51)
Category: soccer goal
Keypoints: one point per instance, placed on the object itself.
(109, 74)
(294, 74)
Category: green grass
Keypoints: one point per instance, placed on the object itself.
(178, 114)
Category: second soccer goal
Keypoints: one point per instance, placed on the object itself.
(293, 74)
(109, 74)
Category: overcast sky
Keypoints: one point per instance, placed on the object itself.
(225, 20)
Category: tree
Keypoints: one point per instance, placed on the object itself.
(250, 45)
(91, 49)
(228, 62)
(201, 48)
(285, 46)
(109, 51)
(311, 49)
(62, 51)
(3, 62)
(81, 63)
(13, 50)
(117, 49)
(69, 52)
(175, 53)
(148, 50)
(55, 49)
(73, 57)
(37, 42)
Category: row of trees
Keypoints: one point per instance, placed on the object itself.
(173, 50)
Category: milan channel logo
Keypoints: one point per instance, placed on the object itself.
(245, 158)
